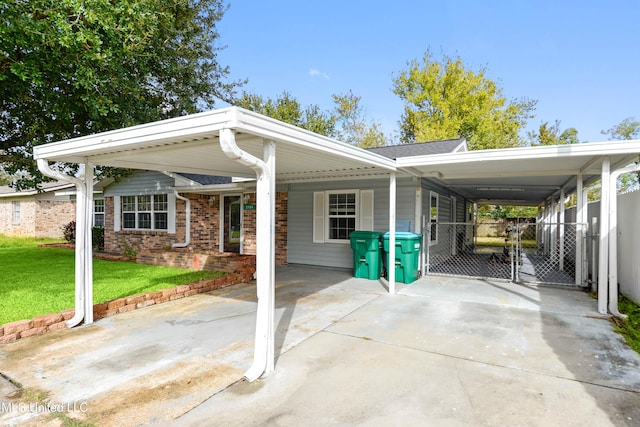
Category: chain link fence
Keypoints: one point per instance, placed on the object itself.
(527, 252)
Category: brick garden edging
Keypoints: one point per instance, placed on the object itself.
(14, 331)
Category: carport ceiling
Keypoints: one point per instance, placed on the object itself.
(190, 145)
(521, 176)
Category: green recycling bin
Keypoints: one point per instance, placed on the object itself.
(367, 254)
(407, 256)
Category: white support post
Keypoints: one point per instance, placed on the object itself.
(579, 231)
(603, 261)
(264, 347)
(267, 194)
(391, 261)
(561, 230)
(418, 224)
(88, 245)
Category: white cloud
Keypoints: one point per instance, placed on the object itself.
(317, 73)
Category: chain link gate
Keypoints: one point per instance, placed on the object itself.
(525, 252)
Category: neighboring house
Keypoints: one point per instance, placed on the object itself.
(148, 210)
(37, 214)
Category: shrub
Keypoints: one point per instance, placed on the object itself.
(98, 238)
(69, 232)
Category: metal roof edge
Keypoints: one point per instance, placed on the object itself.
(584, 149)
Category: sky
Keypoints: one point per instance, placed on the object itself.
(579, 59)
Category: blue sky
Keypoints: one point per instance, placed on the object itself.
(579, 59)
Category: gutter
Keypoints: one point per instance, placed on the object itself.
(613, 238)
(264, 358)
(80, 261)
(187, 232)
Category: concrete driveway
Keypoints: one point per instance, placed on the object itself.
(443, 351)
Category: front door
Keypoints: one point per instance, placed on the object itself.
(232, 224)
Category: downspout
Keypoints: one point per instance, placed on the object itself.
(187, 226)
(264, 340)
(613, 239)
(44, 167)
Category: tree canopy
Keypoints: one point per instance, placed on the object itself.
(346, 121)
(445, 100)
(69, 68)
(629, 128)
(551, 135)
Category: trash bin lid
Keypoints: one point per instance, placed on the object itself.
(363, 234)
(403, 235)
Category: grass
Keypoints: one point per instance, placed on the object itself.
(499, 242)
(629, 327)
(36, 281)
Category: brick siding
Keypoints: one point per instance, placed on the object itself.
(38, 218)
(205, 228)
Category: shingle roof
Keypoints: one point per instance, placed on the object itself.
(45, 186)
(418, 149)
(207, 179)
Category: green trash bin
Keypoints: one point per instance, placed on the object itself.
(407, 257)
(367, 254)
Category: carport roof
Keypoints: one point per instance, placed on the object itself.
(190, 145)
(521, 176)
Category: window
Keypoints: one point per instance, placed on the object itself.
(341, 215)
(148, 212)
(433, 217)
(16, 212)
(337, 213)
(98, 213)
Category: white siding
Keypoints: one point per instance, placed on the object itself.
(141, 182)
(301, 246)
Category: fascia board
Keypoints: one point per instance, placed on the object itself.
(268, 128)
(207, 123)
(526, 153)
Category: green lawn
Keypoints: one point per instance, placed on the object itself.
(35, 281)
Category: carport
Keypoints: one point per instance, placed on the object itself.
(226, 142)
(544, 177)
(236, 142)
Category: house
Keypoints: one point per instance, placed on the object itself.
(37, 214)
(148, 210)
(330, 188)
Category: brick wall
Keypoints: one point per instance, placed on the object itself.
(26, 226)
(13, 331)
(281, 228)
(51, 216)
(205, 228)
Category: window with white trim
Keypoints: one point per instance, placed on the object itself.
(16, 212)
(341, 214)
(336, 213)
(433, 217)
(98, 213)
(146, 212)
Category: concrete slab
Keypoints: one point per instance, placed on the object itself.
(333, 379)
(450, 352)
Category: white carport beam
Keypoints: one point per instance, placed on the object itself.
(603, 272)
(264, 346)
(391, 261)
(613, 237)
(579, 231)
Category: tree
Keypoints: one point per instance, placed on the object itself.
(287, 108)
(346, 121)
(69, 68)
(629, 128)
(444, 100)
(551, 135)
(355, 128)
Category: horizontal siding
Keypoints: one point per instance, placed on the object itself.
(302, 250)
(142, 182)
